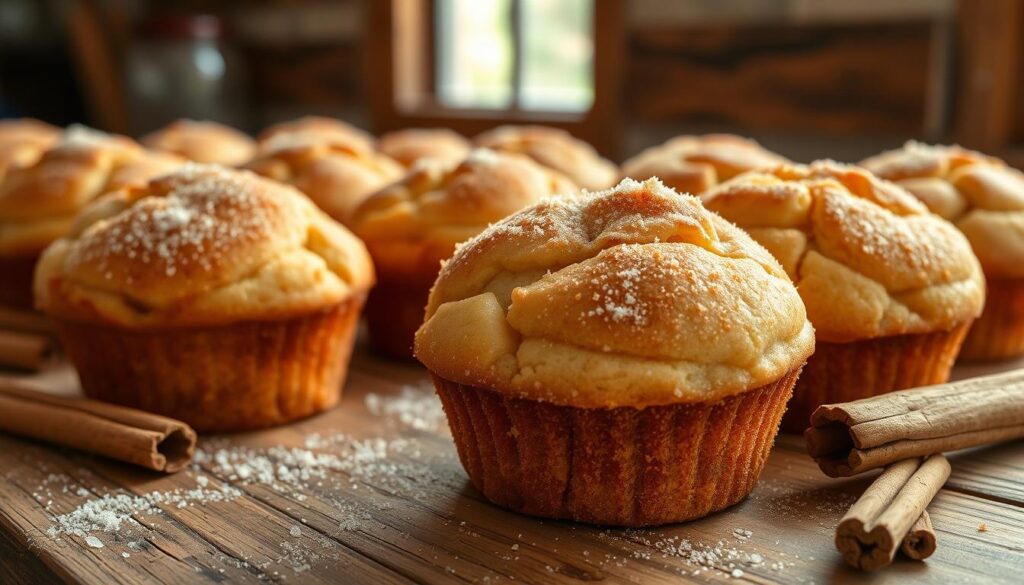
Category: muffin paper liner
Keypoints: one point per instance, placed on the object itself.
(234, 377)
(621, 466)
(999, 331)
(841, 372)
(394, 312)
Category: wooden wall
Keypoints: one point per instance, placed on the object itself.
(831, 78)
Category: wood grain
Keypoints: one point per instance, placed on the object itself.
(417, 519)
(821, 77)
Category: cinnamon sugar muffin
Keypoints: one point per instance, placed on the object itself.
(203, 142)
(39, 202)
(335, 175)
(209, 295)
(983, 197)
(694, 164)
(622, 358)
(23, 141)
(415, 144)
(414, 224)
(314, 129)
(890, 288)
(555, 149)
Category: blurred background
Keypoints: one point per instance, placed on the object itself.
(808, 78)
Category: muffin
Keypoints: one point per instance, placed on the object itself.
(209, 295)
(890, 288)
(414, 224)
(412, 145)
(314, 129)
(23, 141)
(621, 358)
(203, 142)
(694, 164)
(983, 197)
(336, 176)
(39, 202)
(555, 149)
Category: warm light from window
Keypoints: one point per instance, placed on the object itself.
(475, 54)
(477, 64)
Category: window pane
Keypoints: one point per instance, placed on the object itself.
(558, 55)
(474, 53)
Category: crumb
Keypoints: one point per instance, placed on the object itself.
(982, 527)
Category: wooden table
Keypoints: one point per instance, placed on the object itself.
(389, 503)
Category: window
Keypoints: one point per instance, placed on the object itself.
(520, 54)
(472, 64)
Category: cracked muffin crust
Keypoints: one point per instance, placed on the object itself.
(39, 202)
(411, 226)
(984, 198)
(555, 149)
(203, 142)
(694, 164)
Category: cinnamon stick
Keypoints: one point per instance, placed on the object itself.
(920, 541)
(26, 321)
(125, 434)
(26, 351)
(852, 437)
(877, 524)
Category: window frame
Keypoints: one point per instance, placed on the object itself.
(401, 62)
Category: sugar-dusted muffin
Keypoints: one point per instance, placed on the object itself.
(694, 164)
(314, 129)
(622, 358)
(555, 149)
(335, 175)
(203, 142)
(414, 224)
(214, 296)
(890, 288)
(39, 202)
(983, 197)
(412, 145)
(23, 141)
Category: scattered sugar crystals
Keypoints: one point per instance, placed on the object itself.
(417, 407)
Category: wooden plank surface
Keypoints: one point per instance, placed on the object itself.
(372, 492)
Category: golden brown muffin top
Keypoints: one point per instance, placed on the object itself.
(868, 258)
(419, 220)
(694, 164)
(336, 176)
(38, 203)
(555, 149)
(23, 141)
(203, 245)
(980, 194)
(635, 296)
(415, 144)
(203, 142)
(312, 129)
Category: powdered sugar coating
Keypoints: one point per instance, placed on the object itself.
(632, 296)
(203, 244)
(870, 261)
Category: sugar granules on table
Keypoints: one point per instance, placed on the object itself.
(417, 407)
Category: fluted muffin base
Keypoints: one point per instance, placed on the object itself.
(620, 466)
(394, 311)
(999, 331)
(841, 372)
(227, 378)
